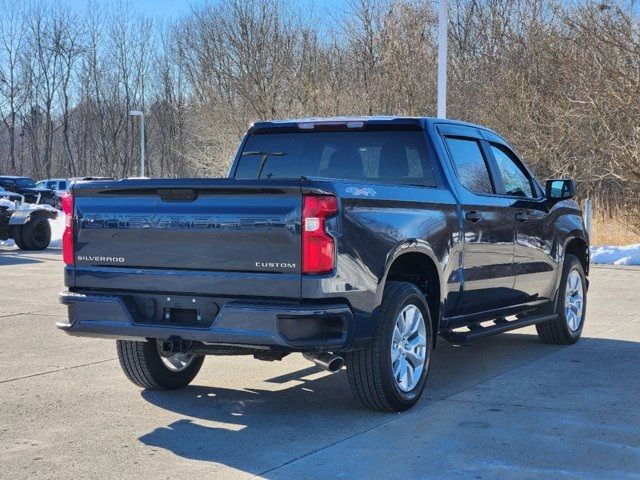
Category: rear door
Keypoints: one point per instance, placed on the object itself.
(534, 263)
(488, 252)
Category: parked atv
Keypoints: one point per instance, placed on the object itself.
(27, 224)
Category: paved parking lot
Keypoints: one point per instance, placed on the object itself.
(506, 407)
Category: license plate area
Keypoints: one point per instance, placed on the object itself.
(174, 310)
(182, 316)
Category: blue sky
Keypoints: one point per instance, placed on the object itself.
(174, 9)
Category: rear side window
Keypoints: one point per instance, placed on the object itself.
(384, 156)
(470, 164)
(62, 186)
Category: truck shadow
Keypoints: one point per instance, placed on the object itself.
(14, 256)
(12, 259)
(257, 429)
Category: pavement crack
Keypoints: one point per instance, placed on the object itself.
(539, 407)
(338, 442)
(37, 312)
(57, 370)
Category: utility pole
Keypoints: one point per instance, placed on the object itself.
(442, 58)
(140, 113)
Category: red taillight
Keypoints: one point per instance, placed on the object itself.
(68, 254)
(318, 248)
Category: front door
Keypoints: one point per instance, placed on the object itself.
(488, 229)
(534, 263)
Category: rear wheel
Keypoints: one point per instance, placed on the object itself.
(145, 366)
(570, 307)
(33, 235)
(391, 372)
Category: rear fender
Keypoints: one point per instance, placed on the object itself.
(407, 246)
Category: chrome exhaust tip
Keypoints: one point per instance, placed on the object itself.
(328, 361)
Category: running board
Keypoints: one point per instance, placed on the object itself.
(461, 338)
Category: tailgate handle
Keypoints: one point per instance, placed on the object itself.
(177, 194)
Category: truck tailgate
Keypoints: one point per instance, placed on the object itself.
(213, 225)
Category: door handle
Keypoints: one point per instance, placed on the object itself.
(521, 216)
(473, 216)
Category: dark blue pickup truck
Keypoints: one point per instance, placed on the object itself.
(351, 240)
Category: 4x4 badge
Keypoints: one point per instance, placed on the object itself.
(364, 191)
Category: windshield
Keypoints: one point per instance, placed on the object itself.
(50, 184)
(389, 156)
(25, 182)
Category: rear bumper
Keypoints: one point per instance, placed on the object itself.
(271, 325)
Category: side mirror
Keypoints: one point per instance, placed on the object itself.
(560, 189)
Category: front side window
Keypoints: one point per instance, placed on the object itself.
(470, 165)
(380, 156)
(516, 181)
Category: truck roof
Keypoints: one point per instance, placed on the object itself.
(353, 122)
(13, 177)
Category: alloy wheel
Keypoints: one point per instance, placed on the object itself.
(408, 348)
(574, 300)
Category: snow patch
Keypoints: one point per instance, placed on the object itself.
(57, 229)
(7, 203)
(611, 255)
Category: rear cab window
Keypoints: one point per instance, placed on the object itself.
(470, 164)
(378, 156)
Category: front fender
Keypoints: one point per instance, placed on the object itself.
(21, 217)
(568, 225)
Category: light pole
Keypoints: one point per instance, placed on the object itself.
(442, 59)
(140, 113)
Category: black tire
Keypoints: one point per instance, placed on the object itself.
(142, 364)
(558, 332)
(16, 233)
(369, 370)
(33, 235)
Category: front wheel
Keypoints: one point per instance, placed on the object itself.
(390, 373)
(571, 306)
(145, 366)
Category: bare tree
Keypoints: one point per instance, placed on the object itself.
(12, 97)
